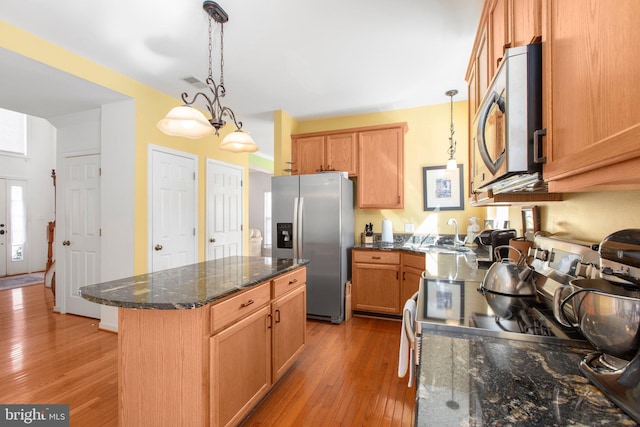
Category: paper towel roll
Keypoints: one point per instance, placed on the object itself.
(387, 233)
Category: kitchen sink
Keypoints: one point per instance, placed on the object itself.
(451, 249)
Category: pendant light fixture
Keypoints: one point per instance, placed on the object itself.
(189, 122)
(451, 163)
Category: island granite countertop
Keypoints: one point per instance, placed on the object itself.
(476, 380)
(190, 286)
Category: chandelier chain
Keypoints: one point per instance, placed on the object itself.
(210, 50)
(222, 54)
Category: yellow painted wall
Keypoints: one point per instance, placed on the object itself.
(283, 126)
(426, 144)
(587, 216)
(151, 105)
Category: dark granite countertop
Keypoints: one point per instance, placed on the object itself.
(502, 382)
(190, 286)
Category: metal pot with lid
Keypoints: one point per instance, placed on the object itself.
(508, 285)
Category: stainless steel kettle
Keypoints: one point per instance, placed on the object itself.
(509, 277)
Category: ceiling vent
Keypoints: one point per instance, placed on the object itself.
(195, 82)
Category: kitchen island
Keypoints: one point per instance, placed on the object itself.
(203, 343)
(469, 379)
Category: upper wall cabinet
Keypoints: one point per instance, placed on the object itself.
(373, 154)
(315, 153)
(381, 169)
(591, 92)
(499, 34)
(504, 24)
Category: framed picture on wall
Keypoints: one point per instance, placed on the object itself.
(443, 188)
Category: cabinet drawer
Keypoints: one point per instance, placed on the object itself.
(377, 257)
(236, 307)
(286, 282)
(415, 261)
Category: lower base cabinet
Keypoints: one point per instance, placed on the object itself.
(376, 281)
(289, 330)
(249, 356)
(240, 368)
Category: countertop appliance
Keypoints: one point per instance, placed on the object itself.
(506, 131)
(313, 219)
(488, 240)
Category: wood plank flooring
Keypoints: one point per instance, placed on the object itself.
(346, 375)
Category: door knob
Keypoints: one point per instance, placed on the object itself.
(158, 247)
(66, 243)
(212, 240)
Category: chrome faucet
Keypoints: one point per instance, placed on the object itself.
(456, 239)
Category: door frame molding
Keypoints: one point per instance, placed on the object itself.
(151, 148)
(212, 163)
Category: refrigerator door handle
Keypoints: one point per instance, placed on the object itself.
(295, 228)
(298, 231)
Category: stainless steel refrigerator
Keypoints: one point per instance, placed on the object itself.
(312, 217)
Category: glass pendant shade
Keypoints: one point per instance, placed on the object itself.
(452, 164)
(238, 141)
(187, 122)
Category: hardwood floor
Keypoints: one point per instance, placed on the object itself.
(346, 375)
(47, 357)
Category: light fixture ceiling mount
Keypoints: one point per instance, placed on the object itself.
(188, 122)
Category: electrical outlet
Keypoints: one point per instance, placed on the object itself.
(408, 228)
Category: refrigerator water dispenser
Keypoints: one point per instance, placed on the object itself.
(285, 235)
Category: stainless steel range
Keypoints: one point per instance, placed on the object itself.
(453, 301)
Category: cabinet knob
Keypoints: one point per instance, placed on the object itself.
(212, 240)
(66, 243)
(158, 247)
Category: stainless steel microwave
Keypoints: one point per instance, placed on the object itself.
(506, 130)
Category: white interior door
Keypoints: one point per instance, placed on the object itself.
(81, 240)
(224, 210)
(3, 228)
(173, 209)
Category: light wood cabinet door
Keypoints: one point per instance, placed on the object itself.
(525, 21)
(481, 58)
(499, 34)
(591, 70)
(341, 153)
(375, 287)
(412, 267)
(381, 169)
(410, 283)
(308, 154)
(240, 368)
(289, 329)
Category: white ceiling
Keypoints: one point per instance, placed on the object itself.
(311, 59)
